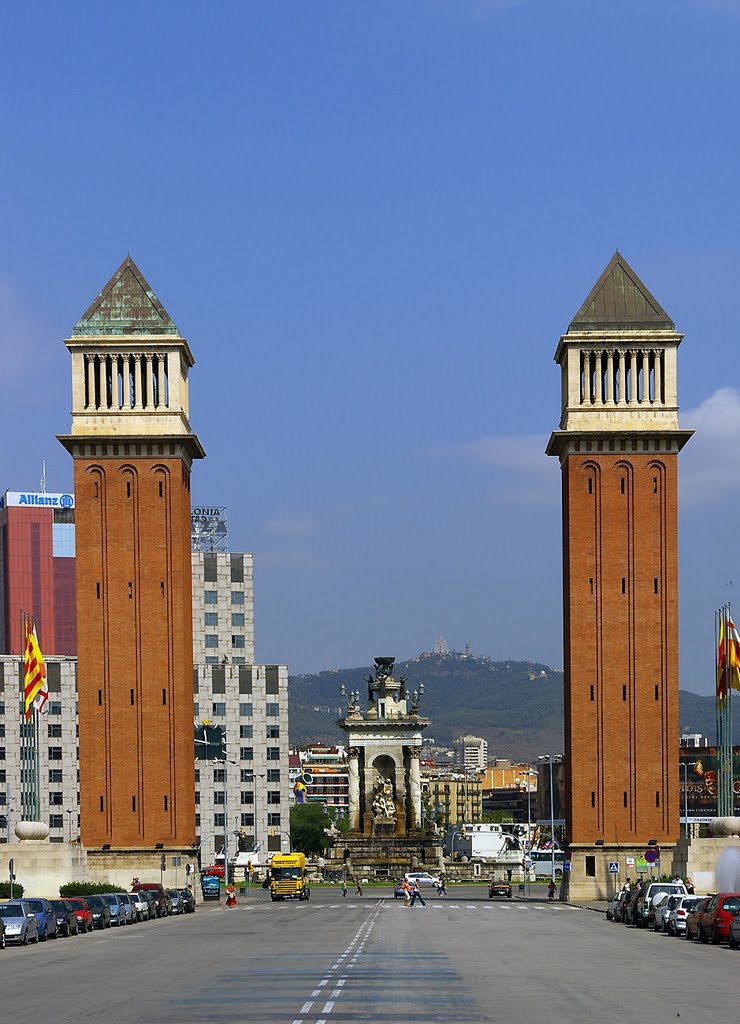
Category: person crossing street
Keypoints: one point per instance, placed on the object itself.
(416, 893)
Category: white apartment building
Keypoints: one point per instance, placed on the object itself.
(471, 752)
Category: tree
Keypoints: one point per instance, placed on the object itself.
(307, 824)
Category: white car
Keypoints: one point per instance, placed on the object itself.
(676, 924)
(422, 877)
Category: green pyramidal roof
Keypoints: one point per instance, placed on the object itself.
(620, 300)
(126, 305)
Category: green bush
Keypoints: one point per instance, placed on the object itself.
(5, 890)
(87, 888)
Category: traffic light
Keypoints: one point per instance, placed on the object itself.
(163, 862)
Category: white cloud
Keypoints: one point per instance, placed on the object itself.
(526, 476)
(710, 463)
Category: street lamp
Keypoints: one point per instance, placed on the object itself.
(527, 779)
(70, 811)
(550, 759)
(686, 765)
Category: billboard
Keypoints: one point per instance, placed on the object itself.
(36, 499)
(698, 781)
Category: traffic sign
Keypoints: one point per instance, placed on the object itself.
(652, 855)
(566, 865)
(630, 861)
(613, 867)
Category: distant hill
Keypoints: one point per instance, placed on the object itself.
(517, 706)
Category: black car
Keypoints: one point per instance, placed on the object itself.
(499, 889)
(187, 901)
(66, 918)
(100, 911)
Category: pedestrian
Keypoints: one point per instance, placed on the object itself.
(441, 890)
(358, 888)
(230, 897)
(551, 887)
(627, 887)
(344, 888)
(406, 892)
(689, 886)
(416, 893)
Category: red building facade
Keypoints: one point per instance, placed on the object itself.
(37, 571)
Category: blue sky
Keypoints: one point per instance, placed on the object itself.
(372, 221)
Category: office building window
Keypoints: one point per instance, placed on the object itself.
(219, 774)
(56, 821)
(273, 753)
(55, 731)
(246, 753)
(218, 709)
(210, 597)
(55, 753)
(211, 659)
(210, 568)
(247, 797)
(238, 659)
(273, 820)
(218, 679)
(247, 775)
(245, 710)
(211, 640)
(272, 679)
(246, 732)
(237, 618)
(273, 796)
(55, 775)
(245, 679)
(210, 619)
(56, 799)
(272, 710)
(219, 797)
(273, 775)
(219, 820)
(237, 568)
(55, 707)
(237, 597)
(238, 641)
(248, 822)
(273, 732)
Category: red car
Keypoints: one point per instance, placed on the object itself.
(215, 869)
(714, 923)
(694, 917)
(82, 912)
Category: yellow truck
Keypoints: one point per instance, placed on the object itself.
(288, 877)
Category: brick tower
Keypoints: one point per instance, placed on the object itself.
(618, 444)
(132, 448)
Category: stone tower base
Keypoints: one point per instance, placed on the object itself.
(387, 857)
(589, 877)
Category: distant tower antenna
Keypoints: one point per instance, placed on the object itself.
(43, 476)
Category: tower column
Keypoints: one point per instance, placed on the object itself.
(354, 788)
(657, 380)
(622, 400)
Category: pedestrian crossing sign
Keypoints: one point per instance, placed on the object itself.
(613, 867)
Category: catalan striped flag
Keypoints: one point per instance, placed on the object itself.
(34, 674)
(733, 654)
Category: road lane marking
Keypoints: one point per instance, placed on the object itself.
(328, 1008)
(307, 1007)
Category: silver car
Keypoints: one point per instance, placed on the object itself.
(20, 923)
(127, 913)
(676, 923)
(140, 905)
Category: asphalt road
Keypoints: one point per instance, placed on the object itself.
(465, 959)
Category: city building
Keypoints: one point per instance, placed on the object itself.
(618, 443)
(37, 571)
(471, 752)
(223, 608)
(328, 770)
(454, 797)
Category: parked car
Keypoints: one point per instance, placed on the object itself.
(215, 869)
(613, 907)
(399, 893)
(714, 924)
(693, 917)
(151, 901)
(643, 913)
(422, 877)
(140, 904)
(45, 915)
(127, 908)
(734, 939)
(100, 910)
(66, 918)
(188, 900)
(83, 913)
(677, 917)
(20, 923)
(663, 913)
(162, 902)
(499, 889)
(117, 914)
(175, 900)
(658, 908)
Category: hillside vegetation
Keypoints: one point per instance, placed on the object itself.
(517, 706)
